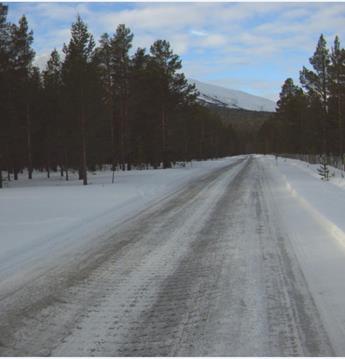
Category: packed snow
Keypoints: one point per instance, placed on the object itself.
(225, 97)
(43, 220)
(258, 245)
(313, 212)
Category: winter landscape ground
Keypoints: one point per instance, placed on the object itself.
(239, 256)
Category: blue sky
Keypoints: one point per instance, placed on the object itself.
(252, 47)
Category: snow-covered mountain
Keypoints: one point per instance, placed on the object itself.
(232, 98)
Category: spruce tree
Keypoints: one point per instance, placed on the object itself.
(323, 169)
(290, 110)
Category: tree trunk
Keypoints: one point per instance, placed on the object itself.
(127, 131)
(28, 135)
(112, 137)
(80, 169)
(341, 130)
(163, 134)
(201, 142)
(185, 140)
(83, 142)
(15, 164)
(48, 158)
(121, 140)
(66, 164)
(8, 163)
(61, 150)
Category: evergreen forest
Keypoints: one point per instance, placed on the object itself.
(103, 102)
(96, 104)
(309, 119)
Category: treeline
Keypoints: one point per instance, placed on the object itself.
(310, 117)
(246, 124)
(93, 105)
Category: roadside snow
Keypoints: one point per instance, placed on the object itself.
(325, 198)
(313, 212)
(46, 220)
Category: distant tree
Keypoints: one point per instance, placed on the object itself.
(290, 110)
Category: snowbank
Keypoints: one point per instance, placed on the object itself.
(326, 199)
(313, 212)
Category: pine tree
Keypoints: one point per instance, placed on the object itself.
(21, 58)
(33, 112)
(121, 43)
(337, 89)
(141, 114)
(317, 82)
(170, 87)
(4, 82)
(103, 59)
(52, 127)
(50, 119)
(76, 71)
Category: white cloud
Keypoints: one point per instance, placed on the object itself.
(198, 33)
(215, 37)
(212, 40)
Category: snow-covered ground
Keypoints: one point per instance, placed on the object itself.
(325, 199)
(314, 216)
(230, 257)
(45, 220)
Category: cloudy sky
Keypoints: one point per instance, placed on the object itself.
(252, 47)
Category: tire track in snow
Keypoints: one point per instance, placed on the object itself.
(304, 333)
(208, 272)
(35, 324)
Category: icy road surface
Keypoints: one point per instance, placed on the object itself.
(235, 263)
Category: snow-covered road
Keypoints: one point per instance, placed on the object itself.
(242, 261)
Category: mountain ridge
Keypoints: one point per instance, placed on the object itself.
(230, 98)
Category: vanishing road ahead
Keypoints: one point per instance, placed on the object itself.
(211, 270)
